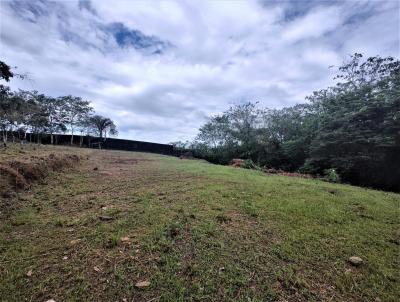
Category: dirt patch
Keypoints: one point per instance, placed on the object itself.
(130, 161)
(10, 178)
(20, 174)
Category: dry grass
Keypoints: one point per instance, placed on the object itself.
(23, 166)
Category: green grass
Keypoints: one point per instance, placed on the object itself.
(197, 232)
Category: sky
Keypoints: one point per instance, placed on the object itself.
(159, 69)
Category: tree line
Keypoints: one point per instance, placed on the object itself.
(30, 111)
(349, 131)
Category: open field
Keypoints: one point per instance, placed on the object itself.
(196, 232)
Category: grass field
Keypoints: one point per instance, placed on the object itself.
(195, 232)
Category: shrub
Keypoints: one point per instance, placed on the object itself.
(331, 175)
(249, 164)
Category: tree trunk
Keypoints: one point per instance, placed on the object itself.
(51, 138)
(4, 137)
(12, 133)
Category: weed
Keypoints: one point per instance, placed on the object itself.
(111, 241)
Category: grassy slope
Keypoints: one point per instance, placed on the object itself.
(197, 232)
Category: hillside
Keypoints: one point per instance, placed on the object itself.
(126, 226)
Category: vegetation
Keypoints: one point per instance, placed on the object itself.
(352, 128)
(102, 125)
(125, 226)
(5, 71)
(24, 111)
(102, 225)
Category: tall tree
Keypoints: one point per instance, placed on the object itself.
(359, 124)
(12, 109)
(54, 108)
(38, 117)
(352, 128)
(76, 111)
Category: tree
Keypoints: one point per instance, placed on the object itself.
(76, 111)
(233, 133)
(359, 124)
(244, 120)
(5, 71)
(352, 128)
(6, 110)
(12, 108)
(37, 118)
(102, 125)
(56, 115)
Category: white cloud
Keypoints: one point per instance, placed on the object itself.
(222, 52)
(313, 25)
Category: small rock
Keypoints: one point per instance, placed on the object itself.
(125, 239)
(96, 269)
(75, 242)
(29, 273)
(51, 300)
(142, 284)
(65, 258)
(105, 218)
(356, 261)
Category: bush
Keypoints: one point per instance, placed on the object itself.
(331, 175)
(249, 164)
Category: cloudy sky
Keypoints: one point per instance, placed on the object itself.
(159, 68)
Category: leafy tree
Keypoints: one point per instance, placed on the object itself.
(5, 71)
(231, 134)
(6, 110)
(12, 107)
(57, 118)
(359, 127)
(38, 117)
(244, 121)
(102, 125)
(352, 128)
(76, 111)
